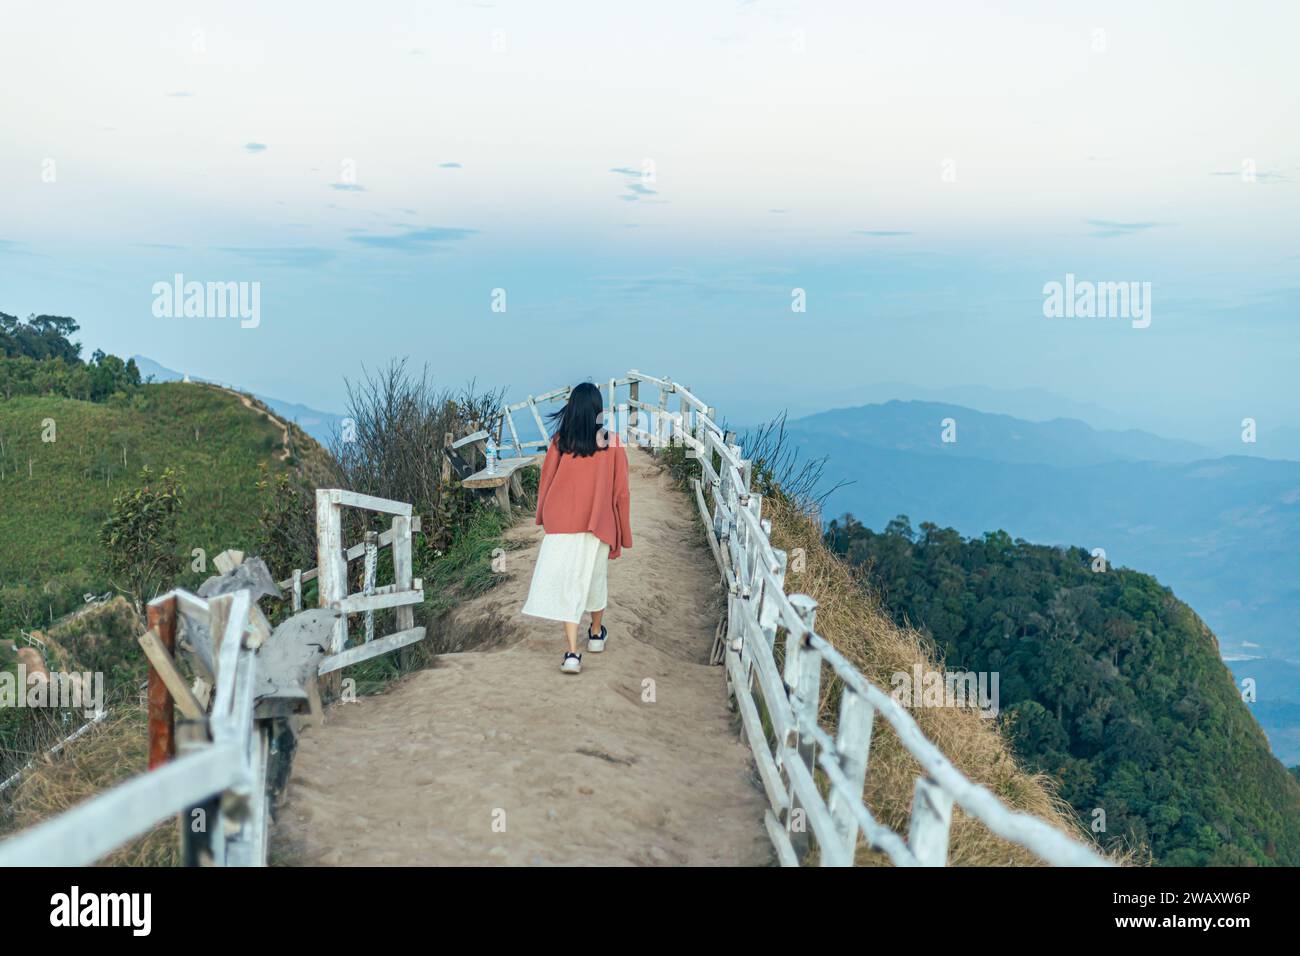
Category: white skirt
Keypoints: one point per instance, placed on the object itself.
(570, 577)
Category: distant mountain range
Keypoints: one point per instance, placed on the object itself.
(1027, 404)
(920, 427)
(1224, 533)
(1273, 439)
(321, 426)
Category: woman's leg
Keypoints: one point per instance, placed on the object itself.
(571, 635)
(598, 590)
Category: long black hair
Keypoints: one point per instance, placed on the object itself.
(577, 426)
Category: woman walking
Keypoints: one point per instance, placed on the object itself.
(582, 502)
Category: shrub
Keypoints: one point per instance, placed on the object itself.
(140, 535)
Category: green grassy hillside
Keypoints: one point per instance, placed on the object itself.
(54, 495)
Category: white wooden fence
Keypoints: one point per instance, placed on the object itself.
(248, 677)
(759, 613)
(332, 574)
(225, 754)
(230, 763)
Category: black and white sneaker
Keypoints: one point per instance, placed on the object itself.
(572, 663)
(596, 644)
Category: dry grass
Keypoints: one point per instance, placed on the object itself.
(105, 756)
(98, 638)
(850, 618)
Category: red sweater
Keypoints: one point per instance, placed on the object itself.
(587, 494)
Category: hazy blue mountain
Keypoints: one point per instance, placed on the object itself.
(319, 425)
(1277, 704)
(1222, 532)
(1028, 404)
(918, 427)
(1271, 441)
(1220, 432)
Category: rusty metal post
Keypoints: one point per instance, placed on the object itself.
(162, 717)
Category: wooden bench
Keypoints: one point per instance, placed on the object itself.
(505, 479)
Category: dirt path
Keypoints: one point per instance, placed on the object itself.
(283, 454)
(495, 757)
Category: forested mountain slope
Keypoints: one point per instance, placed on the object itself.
(1108, 682)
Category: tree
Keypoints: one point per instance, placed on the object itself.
(110, 375)
(901, 527)
(38, 357)
(59, 329)
(140, 535)
(286, 532)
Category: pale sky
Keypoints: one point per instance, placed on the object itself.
(920, 170)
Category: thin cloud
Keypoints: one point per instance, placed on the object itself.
(1268, 177)
(636, 186)
(450, 166)
(416, 240)
(10, 247)
(289, 257)
(255, 147)
(882, 233)
(180, 95)
(732, 282)
(1110, 228)
(348, 187)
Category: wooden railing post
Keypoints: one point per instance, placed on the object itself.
(514, 435)
(368, 583)
(852, 747)
(403, 569)
(162, 717)
(624, 433)
(803, 672)
(537, 419)
(931, 818)
(634, 396)
(663, 429)
(332, 568)
(684, 417)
